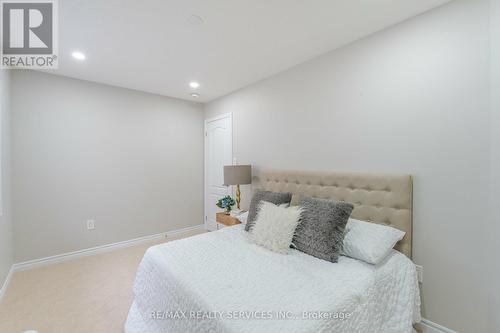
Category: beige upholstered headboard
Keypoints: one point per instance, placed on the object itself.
(378, 198)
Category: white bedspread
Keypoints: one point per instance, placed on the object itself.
(220, 282)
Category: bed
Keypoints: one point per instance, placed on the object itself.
(221, 282)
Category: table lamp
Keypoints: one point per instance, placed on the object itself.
(237, 175)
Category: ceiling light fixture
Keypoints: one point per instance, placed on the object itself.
(195, 20)
(194, 84)
(78, 55)
(195, 95)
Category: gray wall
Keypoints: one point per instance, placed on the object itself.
(6, 243)
(411, 99)
(495, 167)
(131, 161)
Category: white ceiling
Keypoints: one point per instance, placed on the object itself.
(157, 46)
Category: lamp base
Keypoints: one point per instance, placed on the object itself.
(238, 197)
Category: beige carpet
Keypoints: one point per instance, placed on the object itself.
(85, 295)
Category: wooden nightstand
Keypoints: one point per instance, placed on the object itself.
(226, 220)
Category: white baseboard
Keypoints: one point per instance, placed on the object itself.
(30, 264)
(91, 251)
(6, 282)
(430, 327)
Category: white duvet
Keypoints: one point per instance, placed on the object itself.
(220, 282)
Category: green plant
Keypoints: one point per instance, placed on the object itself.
(226, 203)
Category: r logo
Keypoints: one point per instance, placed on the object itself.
(27, 27)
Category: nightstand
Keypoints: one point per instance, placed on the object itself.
(224, 220)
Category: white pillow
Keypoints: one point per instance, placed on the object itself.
(275, 226)
(369, 242)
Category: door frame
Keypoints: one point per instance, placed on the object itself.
(205, 178)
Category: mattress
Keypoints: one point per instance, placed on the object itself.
(221, 282)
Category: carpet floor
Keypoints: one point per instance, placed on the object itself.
(86, 295)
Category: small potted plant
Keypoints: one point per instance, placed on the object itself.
(226, 203)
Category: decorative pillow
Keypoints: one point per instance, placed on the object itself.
(321, 229)
(275, 226)
(272, 197)
(370, 242)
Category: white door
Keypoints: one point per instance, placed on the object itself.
(218, 152)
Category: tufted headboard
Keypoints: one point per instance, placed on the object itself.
(378, 198)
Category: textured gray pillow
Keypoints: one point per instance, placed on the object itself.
(272, 197)
(321, 229)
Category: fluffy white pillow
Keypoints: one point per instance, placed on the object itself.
(275, 226)
(369, 242)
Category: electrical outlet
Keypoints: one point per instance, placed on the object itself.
(90, 225)
(420, 273)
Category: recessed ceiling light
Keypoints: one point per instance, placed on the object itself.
(195, 20)
(195, 95)
(78, 55)
(194, 84)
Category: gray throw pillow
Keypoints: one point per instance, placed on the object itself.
(321, 230)
(272, 197)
